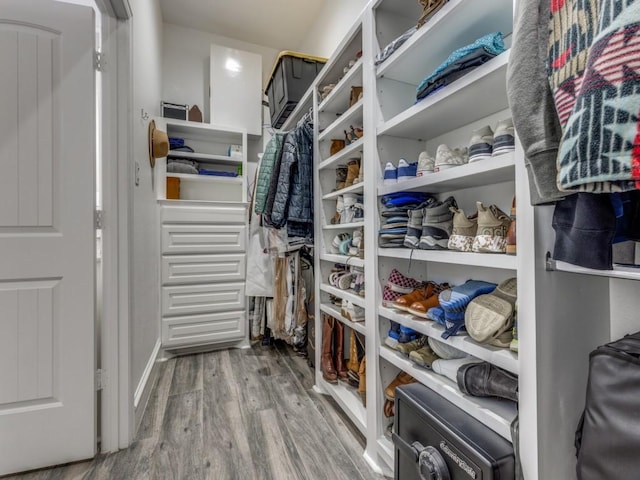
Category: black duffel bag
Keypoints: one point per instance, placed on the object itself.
(608, 435)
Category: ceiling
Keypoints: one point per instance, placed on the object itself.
(279, 24)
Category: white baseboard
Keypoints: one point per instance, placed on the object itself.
(144, 387)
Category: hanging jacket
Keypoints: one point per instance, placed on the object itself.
(532, 107)
(272, 154)
(294, 193)
(273, 181)
(594, 61)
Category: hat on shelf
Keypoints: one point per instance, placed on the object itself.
(158, 143)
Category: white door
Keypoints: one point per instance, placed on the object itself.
(47, 246)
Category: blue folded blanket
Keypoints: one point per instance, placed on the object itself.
(216, 173)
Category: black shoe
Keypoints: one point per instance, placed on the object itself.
(486, 380)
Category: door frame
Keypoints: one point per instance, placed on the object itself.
(115, 417)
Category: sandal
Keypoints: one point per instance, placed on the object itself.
(337, 241)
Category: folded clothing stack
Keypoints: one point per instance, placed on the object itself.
(461, 62)
(394, 211)
(179, 165)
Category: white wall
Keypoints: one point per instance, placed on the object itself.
(185, 57)
(147, 81)
(334, 21)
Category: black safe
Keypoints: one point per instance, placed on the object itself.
(436, 440)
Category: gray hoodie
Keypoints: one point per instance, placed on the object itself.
(532, 107)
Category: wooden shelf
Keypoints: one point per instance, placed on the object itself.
(344, 294)
(349, 401)
(353, 116)
(344, 259)
(488, 260)
(497, 414)
(344, 226)
(338, 99)
(357, 188)
(484, 89)
(456, 24)
(343, 154)
(329, 309)
(483, 172)
(204, 157)
(205, 178)
(501, 357)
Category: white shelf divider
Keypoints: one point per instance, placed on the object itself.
(344, 226)
(496, 414)
(501, 357)
(345, 294)
(338, 99)
(343, 121)
(624, 273)
(335, 313)
(349, 260)
(488, 260)
(349, 401)
(343, 154)
(484, 172)
(357, 188)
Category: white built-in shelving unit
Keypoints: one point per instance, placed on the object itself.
(563, 310)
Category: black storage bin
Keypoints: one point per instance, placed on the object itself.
(292, 75)
(433, 435)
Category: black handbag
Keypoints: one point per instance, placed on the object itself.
(608, 435)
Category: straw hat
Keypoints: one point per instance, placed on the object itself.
(158, 143)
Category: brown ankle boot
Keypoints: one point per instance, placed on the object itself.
(326, 361)
(511, 233)
(353, 171)
(362, 387)
(339, 358)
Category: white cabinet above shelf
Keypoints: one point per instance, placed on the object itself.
(475, 96)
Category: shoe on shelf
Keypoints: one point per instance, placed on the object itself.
(511, 233)
(414, 228)
(406, 171)
(353, 170)
(390, 174)
(437, 225)
(493, 225)
(407, 348)
(481, 144)
(352, 312)
(421, 307)
(327, 366)
(487, 380)
(449, 368)
(426, 164)
(423, 356)
(362, 386)
(463, 232)
(513, 346)
(337, 241)
(350, 200)
(446, 351)
(407, 334)
(396, 286)
(448, 158)
(402, 378)
(419, 294)
(503, 138)
(337, 217)
(341, 176)
(336, 145)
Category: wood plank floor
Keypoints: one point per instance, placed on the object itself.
(233, 415)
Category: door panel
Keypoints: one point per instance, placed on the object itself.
(47, 238)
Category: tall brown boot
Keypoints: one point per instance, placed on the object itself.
(326, 360)
(339, 359)
(362, 387)
(353, 363)
(511, 233)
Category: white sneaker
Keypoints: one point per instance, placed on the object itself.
(390, 174)
(447, 157)
(426, 164)
(481, 144)
(503, 138)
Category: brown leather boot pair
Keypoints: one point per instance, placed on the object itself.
(332, 369)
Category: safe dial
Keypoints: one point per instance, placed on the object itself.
(431, 465)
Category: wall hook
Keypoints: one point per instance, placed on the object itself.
(144, 115)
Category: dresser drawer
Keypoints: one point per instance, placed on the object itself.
(184, 269)
(203, 238)
(192, 330)
(224, 214)
(194, 299)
